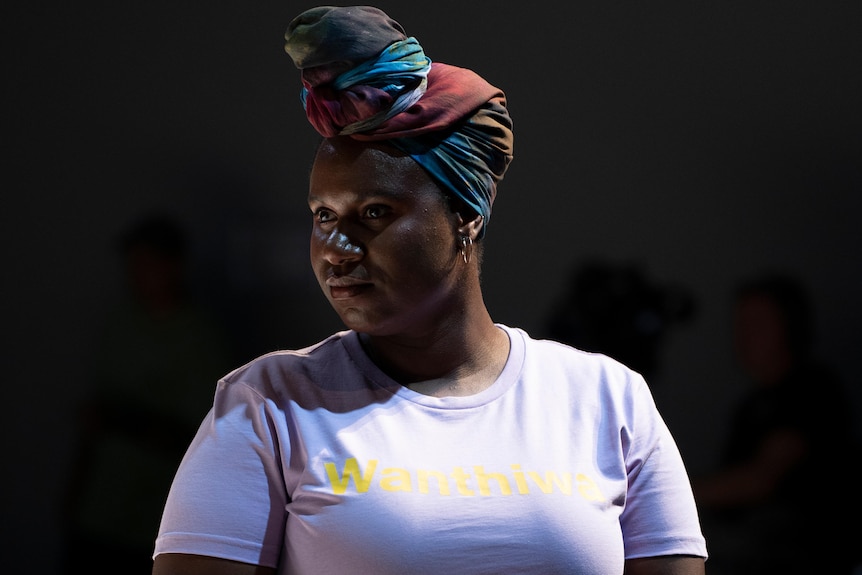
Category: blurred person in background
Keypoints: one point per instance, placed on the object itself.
(785, 487)
(152, 380)
(617, 310)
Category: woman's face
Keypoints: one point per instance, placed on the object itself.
(383, 242)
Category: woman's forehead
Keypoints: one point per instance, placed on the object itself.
(349, 149)
(356, 165)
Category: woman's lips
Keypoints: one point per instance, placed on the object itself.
(344, 287)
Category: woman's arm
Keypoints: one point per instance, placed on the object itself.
(667, 565)
(183, 564)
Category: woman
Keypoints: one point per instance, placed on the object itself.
(426, 438)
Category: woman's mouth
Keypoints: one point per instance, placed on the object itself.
(344, 287)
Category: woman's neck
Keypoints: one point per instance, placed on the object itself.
(451, 360)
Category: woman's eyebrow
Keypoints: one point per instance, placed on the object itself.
(378, 193)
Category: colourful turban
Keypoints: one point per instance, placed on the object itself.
(363, 77)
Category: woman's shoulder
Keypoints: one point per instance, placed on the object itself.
(583, 381)
(291, 367)
(312, 352)
(563, 353)
(564, 364)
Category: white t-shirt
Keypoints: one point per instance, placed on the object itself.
(316, 462)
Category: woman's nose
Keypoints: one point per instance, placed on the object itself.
(339, 248)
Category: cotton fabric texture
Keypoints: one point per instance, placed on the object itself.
(289, 469)
(363, 77)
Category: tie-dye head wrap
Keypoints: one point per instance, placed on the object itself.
(363, 77)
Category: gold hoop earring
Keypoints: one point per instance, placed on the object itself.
(466, 248)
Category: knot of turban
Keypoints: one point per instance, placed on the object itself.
(363, 77)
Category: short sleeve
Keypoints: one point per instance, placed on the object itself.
(228, 496)
(660, 515)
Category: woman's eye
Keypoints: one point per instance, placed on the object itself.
(374, 212)
(322, 215)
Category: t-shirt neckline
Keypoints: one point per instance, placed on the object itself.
(503, 383)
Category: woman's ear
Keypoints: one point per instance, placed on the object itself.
(471, 228)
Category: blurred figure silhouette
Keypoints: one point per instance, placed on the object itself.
(780, 501)
(615, 310)
(153, 377)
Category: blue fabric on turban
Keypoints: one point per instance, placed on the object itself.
(448, 119)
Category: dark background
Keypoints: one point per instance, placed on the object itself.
(702, 142)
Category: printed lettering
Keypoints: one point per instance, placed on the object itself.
(487, 483)
(588, 488)
(551, 479)
(460, 476)
(482, 479)
(351, 469)
(399, 480)
(520, 480)
(442, 482)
